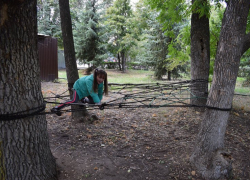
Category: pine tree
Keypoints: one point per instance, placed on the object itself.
(48, 19)
(87, 34)
(118, 26)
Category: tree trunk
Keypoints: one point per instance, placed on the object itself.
(169, 75)
(208, 153)
(161, 47)
(119, 61)
(200, 56)
(69, 51)
(123, 61)
(24, 143)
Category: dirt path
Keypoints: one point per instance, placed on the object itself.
(138, 143)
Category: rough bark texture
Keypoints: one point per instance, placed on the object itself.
(208, 155)
(200, 56)
(123, 57)
(119, 61)
(69, 51)
(68, 42)
(24, 143)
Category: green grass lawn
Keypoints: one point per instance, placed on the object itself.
(115, 76)
(239, 89)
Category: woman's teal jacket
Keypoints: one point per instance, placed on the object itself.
(84, 88)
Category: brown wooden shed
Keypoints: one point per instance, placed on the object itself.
(48, 57)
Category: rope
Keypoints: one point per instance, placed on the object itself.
(151, 95)
(23, 114)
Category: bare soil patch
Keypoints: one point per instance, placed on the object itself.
(139, 143)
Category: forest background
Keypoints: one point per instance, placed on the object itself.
(156, 34)
(136, 35)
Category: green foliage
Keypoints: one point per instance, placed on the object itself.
(88, 34)
(119, 27)
(179, 48)
(170, 16)
(201, 7)
(248, 23)
(170, 13)
(244, 70)
(215, 27)
(48, 19)
(156, 34)
(109, 65)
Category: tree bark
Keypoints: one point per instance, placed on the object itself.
(24, 143)
(123, 61)
(69, 51)
(68, 42)
(200, 56)
(119, 61)
(169, 75)
(209, 150)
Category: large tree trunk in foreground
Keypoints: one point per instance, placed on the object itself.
(69, 51)
(200, 57)
(208, 153)
(24, 143)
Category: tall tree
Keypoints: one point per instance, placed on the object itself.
(208, 153)
(24, 143)
(155, 46)
(48, 19)
(69, 51)
(87, 34)
(173, 12)
(118, 27)
(200, 50)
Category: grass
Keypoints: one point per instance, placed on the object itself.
(131, 76)
(239, 89)
(142, 76)
(115, 76)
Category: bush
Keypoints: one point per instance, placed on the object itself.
(110, 65)
(137, 66)
(245, 72)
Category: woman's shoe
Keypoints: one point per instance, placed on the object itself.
(56, 110)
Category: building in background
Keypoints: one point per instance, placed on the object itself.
(48, 57)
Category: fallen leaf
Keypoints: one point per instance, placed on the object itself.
(236, 114)
(134, 125)
(193, 173)
(89, 136)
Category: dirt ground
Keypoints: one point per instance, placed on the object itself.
(138, 144)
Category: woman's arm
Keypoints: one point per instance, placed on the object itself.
(89, 84)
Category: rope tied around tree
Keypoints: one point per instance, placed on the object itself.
(151, 95)
(23, 114)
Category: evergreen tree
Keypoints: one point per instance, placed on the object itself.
(155, 45)
(118, 26)
(48, 19)
(88, 34)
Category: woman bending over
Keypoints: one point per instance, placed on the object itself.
(88, 89)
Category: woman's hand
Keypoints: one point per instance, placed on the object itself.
(99, 104)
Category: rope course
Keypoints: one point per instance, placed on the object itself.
(150, 95)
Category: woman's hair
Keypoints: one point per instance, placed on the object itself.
(102, 73)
